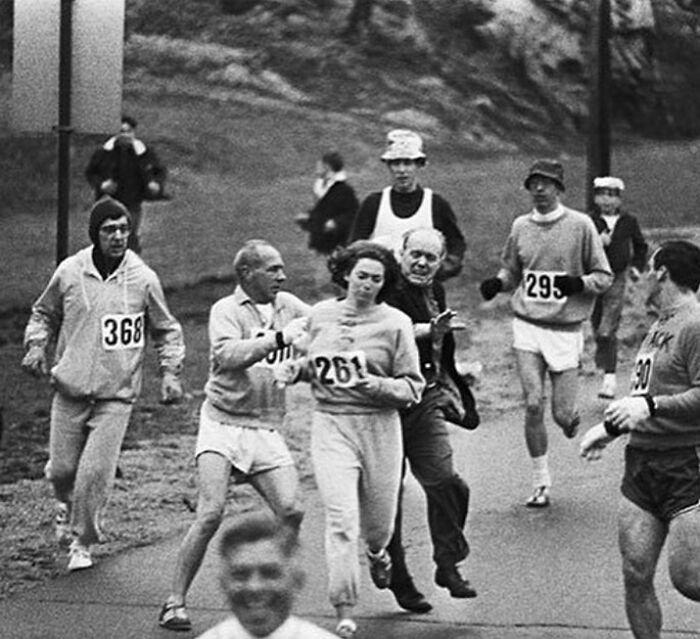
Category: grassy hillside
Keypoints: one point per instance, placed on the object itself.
(241, 140)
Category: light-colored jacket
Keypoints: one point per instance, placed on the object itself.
(100, 327)
(243, 354)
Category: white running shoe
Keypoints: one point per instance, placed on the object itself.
(346, 628)
(62, 529)
(78, 557)
(607, 390)
(539, 498)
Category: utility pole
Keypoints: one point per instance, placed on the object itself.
(599, 107)
(65, 73)
(77, 47)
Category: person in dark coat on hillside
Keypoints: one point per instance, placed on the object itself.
(129, 171)
(329, 221)
(626, 250)
(446, 399)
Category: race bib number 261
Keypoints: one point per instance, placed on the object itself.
(122, 331)
(341, 370)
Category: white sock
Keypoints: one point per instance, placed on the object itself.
(540, 472)
(609, 378)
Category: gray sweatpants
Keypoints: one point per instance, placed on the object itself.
(84, 445)
(357, 463)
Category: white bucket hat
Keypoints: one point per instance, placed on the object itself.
(608, 182)
(402, 144)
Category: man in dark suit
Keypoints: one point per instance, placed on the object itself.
(446, 399)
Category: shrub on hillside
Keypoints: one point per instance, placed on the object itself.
(237, 7)
(165, 55)
(170, 17)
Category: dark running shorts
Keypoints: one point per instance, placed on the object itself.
(662, 482)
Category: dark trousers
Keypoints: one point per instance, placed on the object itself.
(134, 242)
(605, 320)
(428, 450)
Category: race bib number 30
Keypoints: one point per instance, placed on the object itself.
(538, 286)
(120, 332)
(641, 374)
(340, 370)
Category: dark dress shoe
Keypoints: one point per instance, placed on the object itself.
(451, 579)
(412, 600)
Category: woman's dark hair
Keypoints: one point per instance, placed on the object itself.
(343, 260)
(131, 121)
(682, 259)
(334, 160)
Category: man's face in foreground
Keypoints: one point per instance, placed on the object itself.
(260, 583)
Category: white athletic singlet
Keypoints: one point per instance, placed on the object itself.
(388, 229)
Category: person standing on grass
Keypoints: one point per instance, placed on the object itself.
(363, 366)
(660, 488)
(426, 442)
(97, 310)
(384, 216)
(626, 250)
(261, 578)
(128, 170)
(554, 262)
(251, 332)
(328, 222)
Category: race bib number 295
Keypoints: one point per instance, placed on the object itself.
(539, 287)
(122, 331)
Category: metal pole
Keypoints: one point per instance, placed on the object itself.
(64, 127)
(599, 109)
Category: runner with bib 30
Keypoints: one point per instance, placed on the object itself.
(660, 502)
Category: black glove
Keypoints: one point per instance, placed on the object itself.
(568, 284)
(490, 288)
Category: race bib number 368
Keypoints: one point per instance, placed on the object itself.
(122, 331)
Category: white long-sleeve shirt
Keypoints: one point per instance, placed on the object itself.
(292, 628)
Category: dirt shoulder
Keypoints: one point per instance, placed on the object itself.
(153, 498)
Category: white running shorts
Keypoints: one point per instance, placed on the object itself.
(560, 349)
(250, 450)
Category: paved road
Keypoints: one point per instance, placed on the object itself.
(550, 574)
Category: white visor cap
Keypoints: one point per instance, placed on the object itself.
(402, 144)
(608, 182)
